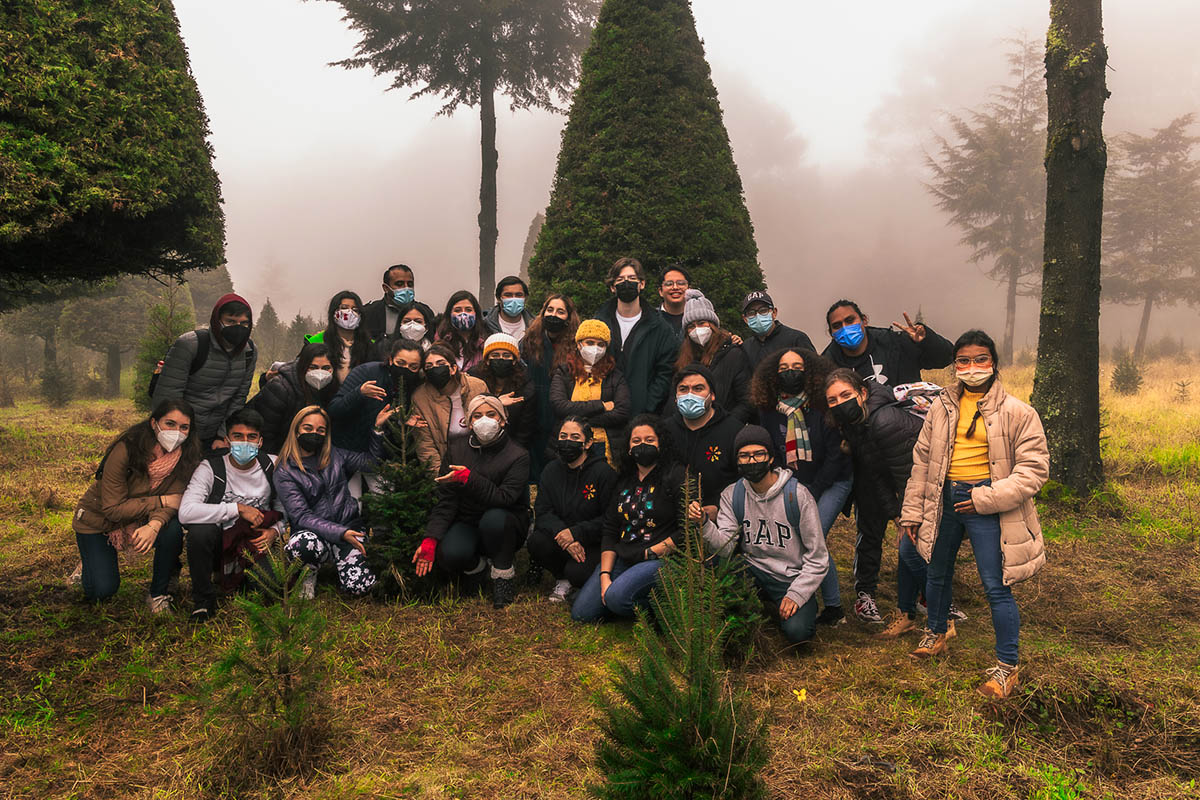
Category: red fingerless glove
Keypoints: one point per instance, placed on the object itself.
(427, 549)
(461, 475)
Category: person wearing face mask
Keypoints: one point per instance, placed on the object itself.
(383, 318)
(307, 381)
(462, 329)
(788, 391)
(440, 405)
(211, 369)
(641, 523)
(231, 513)
(371, 386)
(705, 342)
(702, 434)
(980, 460)
(590, 386)
(569, 510)
(883, 355)
(504, 374)
(771, 519)
(640, 338)
(768, 334)
(548, 343)
(509, 315)
(482, 513)
(348, 342)
(312, 481)
(132, 503)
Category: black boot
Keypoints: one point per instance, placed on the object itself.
(504, 587)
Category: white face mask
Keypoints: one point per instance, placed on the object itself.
(346, 318)
(975, 376)
(700, 334)
(169, 440)
(591, 353)
(318, 378)
(486, 429)
(412, 330)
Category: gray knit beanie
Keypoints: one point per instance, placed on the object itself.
(698, 308)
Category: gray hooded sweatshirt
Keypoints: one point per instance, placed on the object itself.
(767, 540)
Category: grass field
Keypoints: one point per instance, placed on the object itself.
(454, 700)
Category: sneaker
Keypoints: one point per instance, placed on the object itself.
(831, 615)
(76, 577)
(899, 624)
(866, 610)
(308, 585)
(559, 594)
(1001, 682)
(956, 613)
(201, 614)
(159, 603)
(504, 592)
(932, 644)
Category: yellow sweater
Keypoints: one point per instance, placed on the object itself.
(586, 390)
(969, 462)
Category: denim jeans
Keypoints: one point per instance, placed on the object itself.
(829, 505)
(984, 533)
(911, 575)
(800, 626)
(630, 588)
(102, 575)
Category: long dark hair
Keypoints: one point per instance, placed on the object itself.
(362, 342)
(665, 458)
(308, 354)
(764, 386)
(692, 353)
(140, 440)
(515, 382)
(465, 344)
(535, 334)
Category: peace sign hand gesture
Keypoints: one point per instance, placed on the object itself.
(915, 330)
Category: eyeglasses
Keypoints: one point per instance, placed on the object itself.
(979, 361)
(675, 284)
(760, 457)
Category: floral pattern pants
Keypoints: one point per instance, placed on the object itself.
(352, 573)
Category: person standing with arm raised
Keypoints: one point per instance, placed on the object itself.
(883, 355)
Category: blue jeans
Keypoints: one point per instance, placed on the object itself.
(829, 505)
(630, 588)
(102, 575)
(984, 533)
(911, 575)
(800, 626)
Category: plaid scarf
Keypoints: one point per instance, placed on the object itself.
(796, 447)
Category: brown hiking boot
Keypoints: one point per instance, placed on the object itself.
(1002, 681)
(950, 631)
(898, 624)
(932, 644)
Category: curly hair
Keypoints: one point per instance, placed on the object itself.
(764, 386)
(665, 450)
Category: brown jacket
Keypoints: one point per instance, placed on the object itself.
(119, 498)
(434, 408)
(1020, 465)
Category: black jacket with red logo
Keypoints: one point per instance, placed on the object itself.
(707, 452)
(574, 498)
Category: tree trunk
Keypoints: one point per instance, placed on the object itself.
(488, 230)
(1066, 389)
(112, 370)
(1010, 316)
(1143, 329)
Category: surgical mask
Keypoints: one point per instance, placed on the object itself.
(553, 324)
(311, 442)
(243, 452)
(318, 378)
(235, 335)
(404, 296)
(627, 291)
(169, 440)
(486, 429)
(691, 406)
(568, 450)
(700, 334)
(644, 454)
(847, 412)
(850, 335)
(413, 331)
(754, 472)
(438, 376)
(591, 353)
(759, 324)
(464, 321)
(346, 318)
(513, 306)
(501, 367)
(791, 380)
(975, 376)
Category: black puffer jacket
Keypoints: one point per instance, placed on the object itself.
(881, 448)
(499, 479)
(892, 357)
(575, 499)
(281, 398)
(732, 372)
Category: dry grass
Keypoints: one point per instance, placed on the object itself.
(453, 700)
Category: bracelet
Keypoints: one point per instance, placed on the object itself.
(606, 572)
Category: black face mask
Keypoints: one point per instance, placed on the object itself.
(644, 454)
(791, 380)
(627, 291)
(311, 442)
(848, 412)
(553, 324)
(438, 376)
(501, 367)
(405, 380)
(754, 472)
(235, 335)
(568, 450)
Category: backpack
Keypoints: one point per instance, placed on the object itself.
(217, 463)
(203, 345)
(917, 398)
(789, 502)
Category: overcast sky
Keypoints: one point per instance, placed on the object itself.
(327, 177)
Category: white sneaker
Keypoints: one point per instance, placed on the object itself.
(866, 610)
(559, 593)
(159, 603)
(76, 577)
(308, 586)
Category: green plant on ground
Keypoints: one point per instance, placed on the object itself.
(1183, 460)
(1127, 375)
(1058, 785)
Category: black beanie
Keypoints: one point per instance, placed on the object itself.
(696, 368)
(752, 434)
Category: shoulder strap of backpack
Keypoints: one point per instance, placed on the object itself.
(203, 345)
(739, 501)
(268, 468)
(792, 503)
(217, 462)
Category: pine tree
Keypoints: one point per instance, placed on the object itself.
(645, 168)
(270, 336)
(207, 286)
(166, 321)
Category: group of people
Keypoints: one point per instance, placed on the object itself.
(606, 417)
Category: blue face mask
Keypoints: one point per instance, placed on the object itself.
(691, 406)
(243, 452)
(404, 296)
(850, 335)
(761, 323)
(513, 306)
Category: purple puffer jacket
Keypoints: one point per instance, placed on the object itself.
(319, 500)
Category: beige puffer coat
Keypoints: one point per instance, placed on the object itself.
(1020, 465)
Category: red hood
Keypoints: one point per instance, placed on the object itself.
(214, 321)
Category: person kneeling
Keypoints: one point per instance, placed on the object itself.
(482, 511)
(772, 520)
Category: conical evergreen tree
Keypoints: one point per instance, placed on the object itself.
(645, 168)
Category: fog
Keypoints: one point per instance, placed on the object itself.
(327, 177)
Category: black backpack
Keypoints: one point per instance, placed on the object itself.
(203, 345)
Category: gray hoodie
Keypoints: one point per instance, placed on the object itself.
(768, 541)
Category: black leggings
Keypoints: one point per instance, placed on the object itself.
(545, 550)
(497, 535)
(868, 547)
